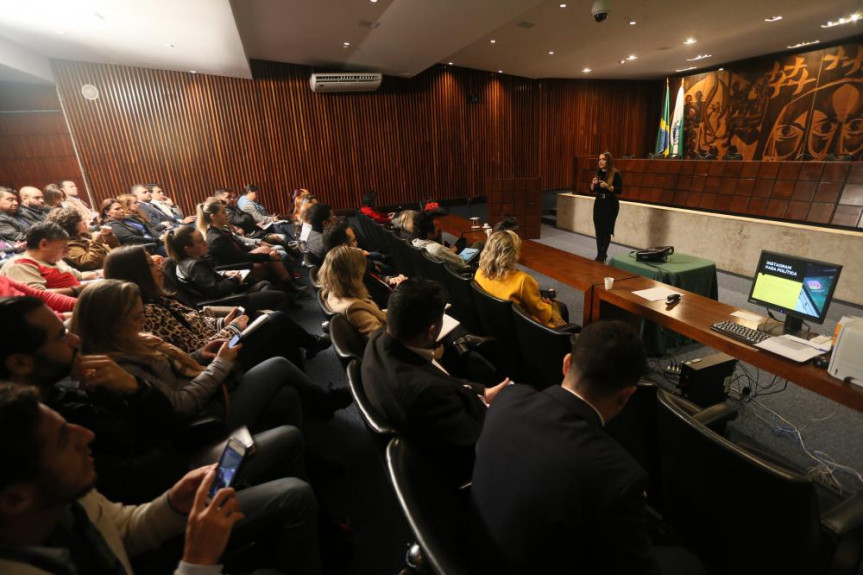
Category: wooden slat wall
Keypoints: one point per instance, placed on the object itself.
(412, 139)
(35, 147)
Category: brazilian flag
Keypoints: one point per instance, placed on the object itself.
(663, 139)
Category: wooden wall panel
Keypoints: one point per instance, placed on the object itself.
(441, 134)
(35, 147)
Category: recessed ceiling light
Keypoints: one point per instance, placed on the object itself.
(500, 71)
(632, 57)
(622, 61)
(450, 63)
(346, 44)
(551, 52)
(721, 69)
(686, 69)
(193, 71)
(773, 19)
(493, 41)
(690, 41)
(699, 57)
(632, 22)
(842, 21)
(563, 5)
(801, 44)
(587, 70)
(374, 1)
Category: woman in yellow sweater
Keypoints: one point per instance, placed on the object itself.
(498, 276)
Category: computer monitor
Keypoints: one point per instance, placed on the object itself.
(798, 287)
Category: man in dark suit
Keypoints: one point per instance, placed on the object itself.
(405, 383)
(552, 491)
(156, 218)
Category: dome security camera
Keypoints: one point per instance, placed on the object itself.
(600, 11)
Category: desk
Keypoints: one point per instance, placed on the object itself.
(692, 317)
(575, 271)
(693, 274)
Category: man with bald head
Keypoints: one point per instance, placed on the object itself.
(74, 201)
(32, 209)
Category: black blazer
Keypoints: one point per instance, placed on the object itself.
(441, 413)
(158, 219)
(128, 234)
(204, 281)
(553, 492)
(223, 249)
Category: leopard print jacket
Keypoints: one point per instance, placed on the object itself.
(182, 326)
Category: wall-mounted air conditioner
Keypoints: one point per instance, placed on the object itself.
(345, 82)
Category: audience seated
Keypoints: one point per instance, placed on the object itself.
(198, 333)
(368, 208)
(427, 236)
(122, 216)
(339, 233)
(86, 250)
(146, 211)
(58, 302)
(12, 229)
(552, 492)
(405, 383)
(73, 200)
(32, 209)
(498, 276)
(56, 522)
(345, 292)
(41, 266)
(224, 248)
(403, 222)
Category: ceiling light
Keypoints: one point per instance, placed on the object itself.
(563, 5)
(721, 69)
(686, 69)
(621, 61)
(699, 57)
(450, 63)
(632, 22)
(632, 57)
(500, 71)
(773, 19)
(374, 1)
(193, 71)
(690, 41)
(587, 70)
(842, 21)
(346, 44)
(801, 44)
(551, 52)
(493, 41)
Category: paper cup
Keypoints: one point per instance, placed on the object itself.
(488, 232)
(609, 282)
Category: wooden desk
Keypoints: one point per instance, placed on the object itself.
(693, 316)
(575, 271)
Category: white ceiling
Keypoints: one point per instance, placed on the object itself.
(405, 37)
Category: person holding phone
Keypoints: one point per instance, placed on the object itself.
(607, 185)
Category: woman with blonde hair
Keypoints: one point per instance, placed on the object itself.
(498, 276)
(109, 319)
(607, 185)
(344, 291)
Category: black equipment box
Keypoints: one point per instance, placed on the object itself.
(654, 254)
(705, 381)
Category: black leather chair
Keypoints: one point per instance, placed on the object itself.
(329, 313)
(187, 295)
(402, 257)
(461, 298)
(435, 510)
(313, 277)
(495, 317)
(374, 420)
(431, 270)
(542, 348)
(347, 341)
(378, 289)
(743, 511)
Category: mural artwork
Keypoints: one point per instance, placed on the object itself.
(803, 106)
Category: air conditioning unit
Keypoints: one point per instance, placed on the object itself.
(345, 82)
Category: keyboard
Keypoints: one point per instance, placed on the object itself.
(740, 332)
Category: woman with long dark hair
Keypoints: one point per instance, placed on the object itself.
(129, 225)
(607, 185)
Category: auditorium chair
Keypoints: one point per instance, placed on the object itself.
(495, 317)
(378, 289)
(380, 428)
(461, 297)
(435, 510)
(542, 348)
(313, 277)
(186, 294)
(742, 510)
(402, 257)
(431, 269)
(348, 343)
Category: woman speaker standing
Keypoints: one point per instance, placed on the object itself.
(607, 185)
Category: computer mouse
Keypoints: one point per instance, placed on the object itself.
(821, 361)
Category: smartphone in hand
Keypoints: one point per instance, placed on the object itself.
(229, 463)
